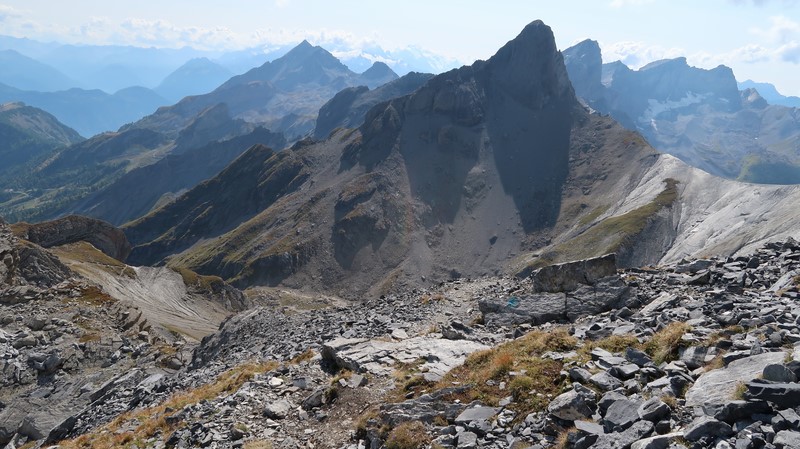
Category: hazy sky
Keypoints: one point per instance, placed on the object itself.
(759, 39)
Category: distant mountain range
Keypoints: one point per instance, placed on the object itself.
(197, 76)
(770, 93)
(697, 115)
(177, 147)
(89, 112)
(284, 95)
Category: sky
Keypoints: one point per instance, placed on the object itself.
(758, 39)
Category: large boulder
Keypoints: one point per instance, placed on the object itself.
(717, 387)
(564, 277)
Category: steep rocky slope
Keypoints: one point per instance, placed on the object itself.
(455, 179)
(698, 115)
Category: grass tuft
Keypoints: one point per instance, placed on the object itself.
(408, 435)
(663, 345)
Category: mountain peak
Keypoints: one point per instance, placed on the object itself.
(675, 62)
(377, 75)
(531, 66)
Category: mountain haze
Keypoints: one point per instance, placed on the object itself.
(283, 95)
(196, 76)
(89, 112)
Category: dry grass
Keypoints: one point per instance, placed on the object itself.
(258, 444)
(562, 440)
(428, 298)
(305, 356)
(92, 295)
(408, 435)
(89, 338)
(663, 345)
(529, 378)
(192, 279)
(671, 401)
(738, 393)
(613, 343)
(84, 252)
(153, 420)
(715, 363)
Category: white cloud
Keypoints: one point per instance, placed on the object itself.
(7, 12)
(637, 54)
(782, 29)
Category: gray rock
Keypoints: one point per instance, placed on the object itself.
(625, 371)
(476, 414)
(278, 410)
(605, 381)
(609, 398)
(784, 395)
(787, 439)
(736, 410)
(571, 406)
(653, 409)
(624, 440)
(706, 426)
(778, 372)
(718, 386)
(637, 357)
(588, 428)
(694, 356)
(568, 276)
(621, 415)
(314, 400)
(579, 374)
(658, 441)
(467, 440)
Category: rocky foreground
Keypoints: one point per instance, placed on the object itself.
(700, 353)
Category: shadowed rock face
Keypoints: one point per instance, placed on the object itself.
(516, 108)
(105, 237)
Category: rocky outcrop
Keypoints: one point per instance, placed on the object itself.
(74, 228)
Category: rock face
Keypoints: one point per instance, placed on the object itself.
(562, 292)
(348, 107)
(74, 228)
(695, 114)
